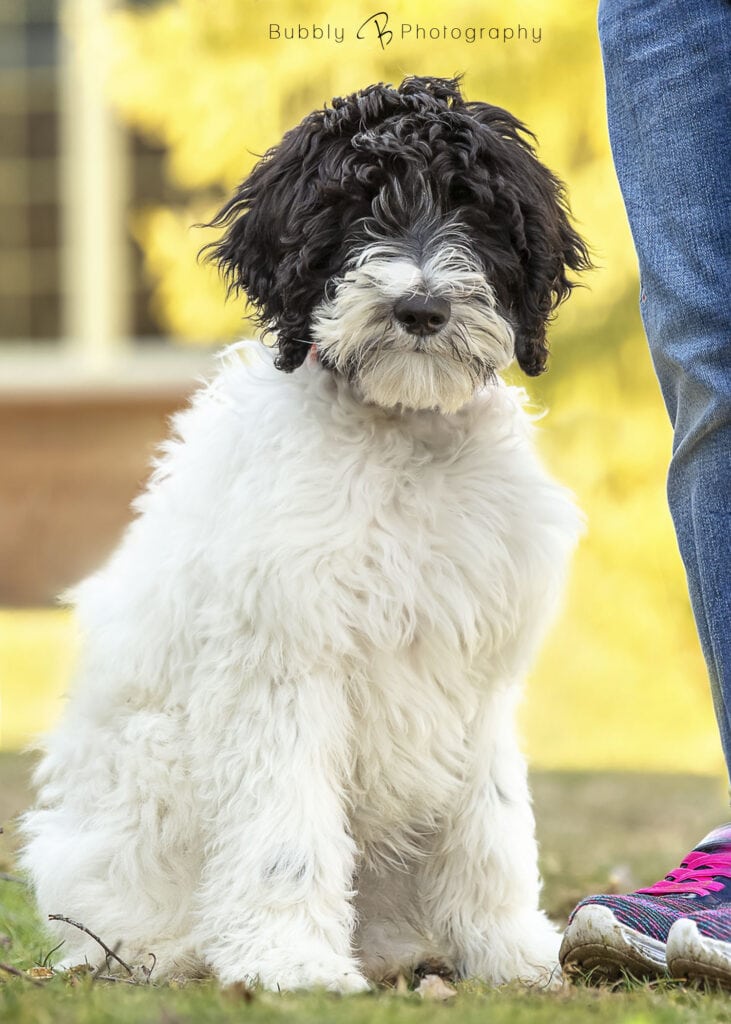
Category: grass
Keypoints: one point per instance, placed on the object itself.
(86, 1004)
(598, 832)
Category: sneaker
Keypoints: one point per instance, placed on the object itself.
(611, 935)
(699, 948)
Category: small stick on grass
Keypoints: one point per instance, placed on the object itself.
(4, 877)
(82, 928)
(147, 971)
(49, 954)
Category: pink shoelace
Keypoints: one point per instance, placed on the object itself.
(697, 874)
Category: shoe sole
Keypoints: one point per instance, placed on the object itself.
(696, 957)
(597, 945)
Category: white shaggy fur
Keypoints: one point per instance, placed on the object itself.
(289, 756)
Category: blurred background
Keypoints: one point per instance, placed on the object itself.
(122, 125)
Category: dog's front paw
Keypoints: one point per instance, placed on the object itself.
(336, 974)
(284, 971)
(522, 949)
(521, 967)
(545, 975)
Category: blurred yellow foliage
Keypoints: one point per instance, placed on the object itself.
(37, 650)
(621, 682)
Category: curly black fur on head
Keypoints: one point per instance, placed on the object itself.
(353, 171)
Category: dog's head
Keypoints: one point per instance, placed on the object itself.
(413, 237)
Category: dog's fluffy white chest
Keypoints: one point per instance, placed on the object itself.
(393, 553)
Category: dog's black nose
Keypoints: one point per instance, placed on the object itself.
(422, 314)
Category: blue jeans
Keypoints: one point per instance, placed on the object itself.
(667, 69)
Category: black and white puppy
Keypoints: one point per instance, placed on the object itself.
(289, 757)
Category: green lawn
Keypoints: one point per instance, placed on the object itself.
(598, 831)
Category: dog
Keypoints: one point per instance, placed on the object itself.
(289, 757)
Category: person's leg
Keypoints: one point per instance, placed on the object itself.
(668, 74)
(668, 71)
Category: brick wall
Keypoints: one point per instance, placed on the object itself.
(69, 466)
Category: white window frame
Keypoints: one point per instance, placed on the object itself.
(95, 349)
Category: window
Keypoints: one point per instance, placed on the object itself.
(42, 163)
(30, 286)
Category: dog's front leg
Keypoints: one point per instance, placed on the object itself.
(274, 904)
(480, 889)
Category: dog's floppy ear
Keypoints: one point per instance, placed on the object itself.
(552, 248)
(534, 202)
(279, 239)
